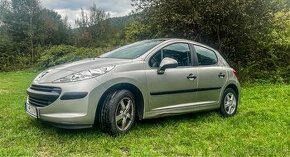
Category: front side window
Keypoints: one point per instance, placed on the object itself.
(180, 52)
(205, 56)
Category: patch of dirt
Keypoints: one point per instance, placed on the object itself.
(3, 91)
(125, 151)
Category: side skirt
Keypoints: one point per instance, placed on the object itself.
(181, 109)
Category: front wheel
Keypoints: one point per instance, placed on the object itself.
(229, 103)
(118, 113)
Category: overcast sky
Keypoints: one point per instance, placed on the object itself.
(71, 8)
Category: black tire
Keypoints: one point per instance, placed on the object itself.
(112, 108)
(225, 109)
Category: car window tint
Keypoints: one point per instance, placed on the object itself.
(205, 56)
(180, 52)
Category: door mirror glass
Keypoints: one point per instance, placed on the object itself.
(167, 63)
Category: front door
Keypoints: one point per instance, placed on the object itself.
(175, 88)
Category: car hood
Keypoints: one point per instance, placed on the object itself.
(63, 70)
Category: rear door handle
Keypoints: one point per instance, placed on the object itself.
(191, 77)
(221, 75)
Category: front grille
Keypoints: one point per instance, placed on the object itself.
(46, 88)
(42, 96)
(38, 102)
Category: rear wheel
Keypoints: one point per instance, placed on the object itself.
(229, 103)
(118, 112)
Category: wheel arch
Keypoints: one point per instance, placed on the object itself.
(235, 88)
(139, 98)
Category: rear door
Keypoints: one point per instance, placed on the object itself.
(211, 76)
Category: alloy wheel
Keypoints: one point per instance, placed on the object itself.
(124, 114)
(230, 103)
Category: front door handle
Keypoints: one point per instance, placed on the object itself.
(221, 75)
(191, 77)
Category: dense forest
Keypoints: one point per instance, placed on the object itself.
(253, 36)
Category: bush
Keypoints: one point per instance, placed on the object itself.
(64, 53)
(272, 65)
(7, 49)
(11, 58)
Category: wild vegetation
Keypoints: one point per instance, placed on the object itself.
(253, 36)
(27, 30)
(65, 53)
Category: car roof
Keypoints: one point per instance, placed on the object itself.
(184, 40)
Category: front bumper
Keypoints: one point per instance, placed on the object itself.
(74, 107)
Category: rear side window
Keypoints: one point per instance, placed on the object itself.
(205, 56)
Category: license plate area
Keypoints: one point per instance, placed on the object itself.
(31, 110)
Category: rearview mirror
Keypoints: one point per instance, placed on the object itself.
(165, 64)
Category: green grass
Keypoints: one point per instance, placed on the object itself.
(261, 128)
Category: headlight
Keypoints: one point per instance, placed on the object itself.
(86, 74)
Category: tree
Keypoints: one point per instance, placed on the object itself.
(135, 30)
(27, 24)
(53, 30)
(93, 27)
(20, 19)
(6, 52)
(238, 29)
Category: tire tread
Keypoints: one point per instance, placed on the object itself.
(108, 111)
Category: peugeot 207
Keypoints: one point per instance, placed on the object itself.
(146, 79)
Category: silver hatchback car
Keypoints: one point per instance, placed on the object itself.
(146, 79)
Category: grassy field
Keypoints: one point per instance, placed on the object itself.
(261, 128)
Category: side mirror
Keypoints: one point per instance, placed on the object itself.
(165, 64)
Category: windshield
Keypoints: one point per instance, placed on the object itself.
(132, 51)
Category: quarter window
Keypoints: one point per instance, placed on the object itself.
(180, 52)
(205, 56)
